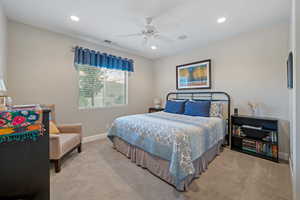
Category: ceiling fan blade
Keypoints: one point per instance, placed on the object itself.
(163, 38)
(145, 41)
(131, 35)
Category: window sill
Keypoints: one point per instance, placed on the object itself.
(102, 108)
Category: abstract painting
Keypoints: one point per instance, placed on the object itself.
(196, 75)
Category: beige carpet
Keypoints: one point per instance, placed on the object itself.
(101, 173)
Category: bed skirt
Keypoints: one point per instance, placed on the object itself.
(160, 167)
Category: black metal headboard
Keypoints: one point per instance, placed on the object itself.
(211, 96)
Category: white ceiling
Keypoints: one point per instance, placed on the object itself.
(107, 19)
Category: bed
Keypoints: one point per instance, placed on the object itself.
(175, 147)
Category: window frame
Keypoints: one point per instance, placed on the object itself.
(103, 107)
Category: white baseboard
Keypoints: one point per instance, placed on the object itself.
(283, 156)
(94, 137)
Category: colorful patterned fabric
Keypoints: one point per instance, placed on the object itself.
(20, 125)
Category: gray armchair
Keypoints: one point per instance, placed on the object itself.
(69, 139)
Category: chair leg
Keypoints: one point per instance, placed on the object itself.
(57, 165)
(79, 148)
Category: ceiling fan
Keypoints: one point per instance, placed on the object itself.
(149, 33)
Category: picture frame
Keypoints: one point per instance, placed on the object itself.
(195, 75)
(290, 81)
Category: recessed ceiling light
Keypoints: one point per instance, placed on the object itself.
(74, 18)
(153, 47)
(221, 20)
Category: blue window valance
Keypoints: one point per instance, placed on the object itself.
(84, 56)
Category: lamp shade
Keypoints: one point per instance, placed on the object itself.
(157, 101)
(2, 88)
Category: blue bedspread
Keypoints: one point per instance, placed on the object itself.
(180, 139)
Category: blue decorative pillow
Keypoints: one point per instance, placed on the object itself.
(197, 108)
(176, 107)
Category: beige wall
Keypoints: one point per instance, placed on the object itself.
(295, 96)
(40, 70)
(250, 67)
(291, 91)
(3, 42)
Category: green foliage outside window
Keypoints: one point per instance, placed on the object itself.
(99, 87)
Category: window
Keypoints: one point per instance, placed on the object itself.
(100, 87)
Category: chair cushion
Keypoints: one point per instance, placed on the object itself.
(68, 142)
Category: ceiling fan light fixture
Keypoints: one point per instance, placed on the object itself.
(221, 20)
(74, 18)
(153, 47)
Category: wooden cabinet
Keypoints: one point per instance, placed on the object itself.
(151, 110)
(257, 136)
(24, 168)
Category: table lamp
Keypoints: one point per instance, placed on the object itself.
(157, 103)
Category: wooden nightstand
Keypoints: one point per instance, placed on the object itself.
(151, 110)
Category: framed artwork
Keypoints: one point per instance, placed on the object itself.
(196, 75)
